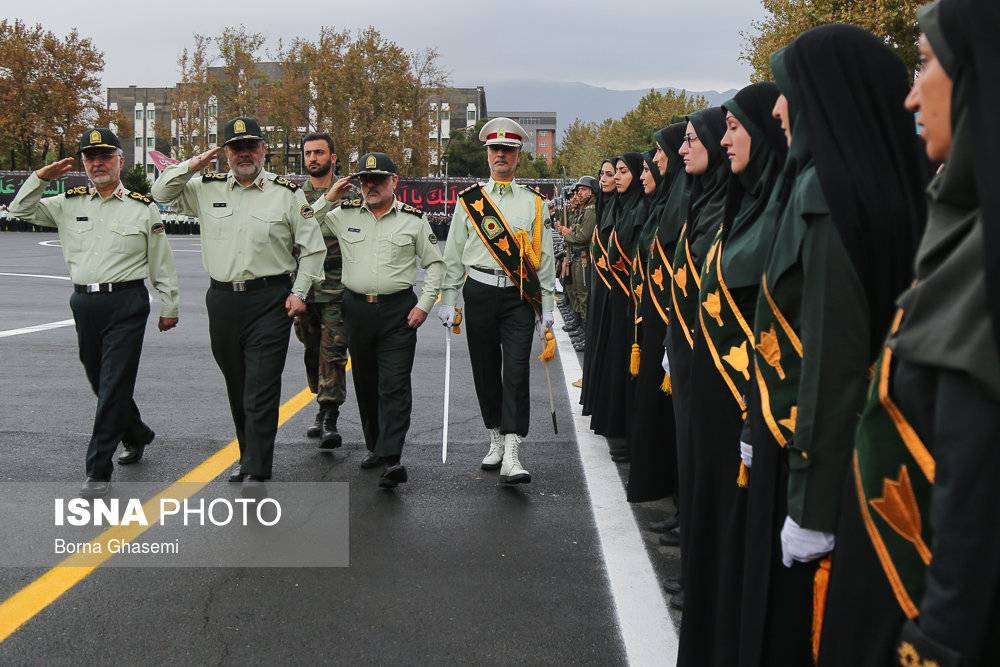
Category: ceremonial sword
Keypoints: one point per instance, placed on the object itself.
(455, 328)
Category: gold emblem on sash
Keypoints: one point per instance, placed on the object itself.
(503, 244)
(771, 351)
(479, 205)
(658, 278)
(898, 506)
(713, 306)
(739, 359)
(681, 278)
(789, 422)
(492, 227)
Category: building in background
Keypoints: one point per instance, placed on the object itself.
(541, 129)
(149, 109)
(452, 110)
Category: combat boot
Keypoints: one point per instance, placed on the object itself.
(495, 455)
(512, 472)
(316, 429)
(330, 438)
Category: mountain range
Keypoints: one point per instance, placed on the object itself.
(571, 100)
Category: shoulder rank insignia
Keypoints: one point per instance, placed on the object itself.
(471, 187)
(281, 180)
(354, 203)
(213, 176)
(138, 196)
(78, 190)
(406, 208)
(528, 187)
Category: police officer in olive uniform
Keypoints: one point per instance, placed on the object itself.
(501, 238)
(252, 224)
(321, 328)
(380, 239)
(112, 240)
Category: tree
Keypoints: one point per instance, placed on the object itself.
(50, 91)
(190, 106)
(894, 21)
(466, 155)
(134, 179)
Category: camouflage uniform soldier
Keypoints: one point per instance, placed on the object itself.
(577, 244)
(321, 329)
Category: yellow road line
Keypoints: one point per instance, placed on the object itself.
(24, 605)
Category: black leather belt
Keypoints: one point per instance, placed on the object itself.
(283, 280)
(378, 298)
(93, 288)
(492, 271)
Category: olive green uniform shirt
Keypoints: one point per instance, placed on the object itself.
(464, 247)
(248, 232)
(111, 240)
(582, 229)
(332, 287)
(379, 255)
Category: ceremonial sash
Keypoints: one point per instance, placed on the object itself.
(894, 476)
(498, 237)
(725, 329)
(683, 294)
(637, 281)
(619, 267)
(601, 264)
(778, 365)
(657, 275)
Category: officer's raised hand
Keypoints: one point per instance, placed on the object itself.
(339, 189)
(167, 323)
(57, 169)
(294, 305)
(199, 162)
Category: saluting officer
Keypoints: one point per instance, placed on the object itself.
(501, 237)
(252, 221)
(380, 237)
(112, 240)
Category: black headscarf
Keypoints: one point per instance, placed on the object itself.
(605, 201)
(748, 230)
(709, 190)
(848, 89)
(674, 210)
(970, 28)
(654, 204)
(630, 209)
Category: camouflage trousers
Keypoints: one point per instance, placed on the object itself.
(321, 329)
(578, 288)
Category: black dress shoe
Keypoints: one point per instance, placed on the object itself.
(620, 458)
(393, 476)
(94, 487)
(671, 538)
(133, 450)
(664, 526)
(371, 460)
(253, 487)
(672, 585)
(236, 475)
(316, 429)
(677, 601)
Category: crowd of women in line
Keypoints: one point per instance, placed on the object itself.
(794, 330)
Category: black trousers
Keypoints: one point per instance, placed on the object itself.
(110, 328)
(249, 333)
(382, 347)
(499, 327)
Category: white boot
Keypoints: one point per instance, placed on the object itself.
(495, 455)
(512, 472)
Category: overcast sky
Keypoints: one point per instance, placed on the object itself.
(622, 45)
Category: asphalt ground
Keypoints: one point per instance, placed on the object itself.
(452, 567)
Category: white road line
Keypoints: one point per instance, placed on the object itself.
(645, 624)
(37, 327)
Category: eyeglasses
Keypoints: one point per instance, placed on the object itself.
(691, 139)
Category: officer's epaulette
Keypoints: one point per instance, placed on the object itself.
(78, 190)
(354, 203)
(281, 180)
(138, 196)
(471, 187)
(406, 208)
(214, 176)
(528, 187)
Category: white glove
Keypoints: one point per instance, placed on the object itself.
(666, 362)
(746, 453)
(446, 314)
(803, 545)
(547, 320)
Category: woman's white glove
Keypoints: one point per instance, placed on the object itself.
(665, 363)
(746, 454)
(803, 545)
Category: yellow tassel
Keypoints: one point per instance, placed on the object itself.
(820, 583)
(665, 386)
(633, 364)
(743, 479)
(549, 351)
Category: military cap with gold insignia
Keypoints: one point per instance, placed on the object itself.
(99, 138)
(243, 127)
(375, 163)
(503, 131)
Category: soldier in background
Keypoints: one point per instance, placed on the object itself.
(577, 263)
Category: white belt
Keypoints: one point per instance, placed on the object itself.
(491, 279)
